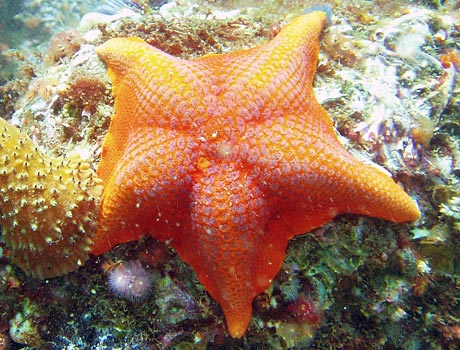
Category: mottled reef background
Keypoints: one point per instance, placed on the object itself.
(388, 76)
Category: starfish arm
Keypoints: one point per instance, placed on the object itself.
(260, 83)
(311, 178)
(228, 216)
(151, 89)
(148, 189)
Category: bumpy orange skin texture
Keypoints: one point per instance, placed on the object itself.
(228, 157)
(47, 206)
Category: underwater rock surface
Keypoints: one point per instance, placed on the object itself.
(387, 74)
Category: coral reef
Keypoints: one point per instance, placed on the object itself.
(48, 206)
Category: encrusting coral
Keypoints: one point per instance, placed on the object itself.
(47, 206)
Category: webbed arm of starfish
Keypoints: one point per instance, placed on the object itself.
(148, 191)
(310, 178)
(151, 89)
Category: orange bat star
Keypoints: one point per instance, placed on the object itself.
(228, 157)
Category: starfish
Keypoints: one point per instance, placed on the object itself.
(228, 157)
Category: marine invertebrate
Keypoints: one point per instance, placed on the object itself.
(341, 46)
(227, 157)
(63, 44)
(48, 206)
(290, 288)
(423, 131)
(305, 310)
(131, 281)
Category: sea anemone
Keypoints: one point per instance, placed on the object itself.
(290, 289)
(130, 281)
